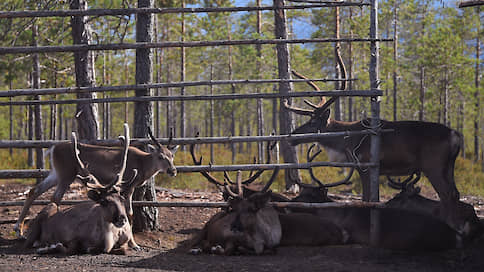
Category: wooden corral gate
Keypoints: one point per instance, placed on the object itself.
(143, 97)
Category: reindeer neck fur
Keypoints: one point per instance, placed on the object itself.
(336, 146)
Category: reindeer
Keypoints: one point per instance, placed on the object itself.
(398, 228)
(100, 225)
(410, 199)
(247, 224)
(99, 160)
(412, 146)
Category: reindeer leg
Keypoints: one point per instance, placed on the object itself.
(444, 185)
(40, 188)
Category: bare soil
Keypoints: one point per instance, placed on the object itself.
(166, 249)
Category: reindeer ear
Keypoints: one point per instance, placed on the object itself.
(261, 200)
(151, 148)
(174, 149)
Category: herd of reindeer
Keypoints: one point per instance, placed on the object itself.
(249, 223)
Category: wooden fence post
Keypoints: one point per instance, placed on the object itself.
(86, 113)
(286, 120)
(145, 218)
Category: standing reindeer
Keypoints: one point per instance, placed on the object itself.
(96, 226)
(411, 147)
(99, 161)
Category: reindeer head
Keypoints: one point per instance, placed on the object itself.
(108, 196)
(163, 156)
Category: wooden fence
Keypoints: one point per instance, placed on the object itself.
(143, 45)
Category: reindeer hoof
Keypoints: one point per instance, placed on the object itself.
(195, 251)
(218, 249)
(136, 248)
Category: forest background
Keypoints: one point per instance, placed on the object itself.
(431, 73)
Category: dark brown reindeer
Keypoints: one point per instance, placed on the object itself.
(251, 225)
(100, 225)
(411, 147)
(247, 224)
(410, 199)
(99, 161)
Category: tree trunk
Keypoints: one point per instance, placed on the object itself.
(39, 160)
(421, 112)
(145, 218)
(477, 84)
(260, 110)
(182, 78)
(285, 118)
(86, 113)
(395, 59)
(337, 54)
(232, 87)
(212, 117)
(350, 70)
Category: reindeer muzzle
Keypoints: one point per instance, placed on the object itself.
(171, 171)
(120, 221)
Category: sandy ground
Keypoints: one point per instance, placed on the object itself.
(164, 250)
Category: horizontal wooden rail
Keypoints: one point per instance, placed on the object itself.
(130, 11)
(194, 204)
(66, 90)
(168, 44)
(192, 140)
(42, 173)
(361, 93)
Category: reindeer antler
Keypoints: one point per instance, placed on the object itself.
(253, 177)
(310, 158)
(407, 184)
(84, 175)
(206, 174)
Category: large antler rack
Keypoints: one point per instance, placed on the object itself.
(253, 177)
(206, 174)
(310, 158)
(86, 177)
(216, 181)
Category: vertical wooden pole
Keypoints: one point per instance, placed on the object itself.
(395, 59)
(86, 113)
(183, 116)
(477, 83)
(145, 218)
(375, 124)
(286, 120)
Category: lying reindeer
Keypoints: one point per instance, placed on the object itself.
(247, 224)
(98, 158)
(399, 229)
(410, 199)
(91, 227)
(251, 224)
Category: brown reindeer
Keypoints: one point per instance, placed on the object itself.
(398, 228)
(100, 225)
(248, 224)
(411, 147)
(410, 199)
(99, 161)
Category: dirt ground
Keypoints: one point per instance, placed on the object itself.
(163, 250)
